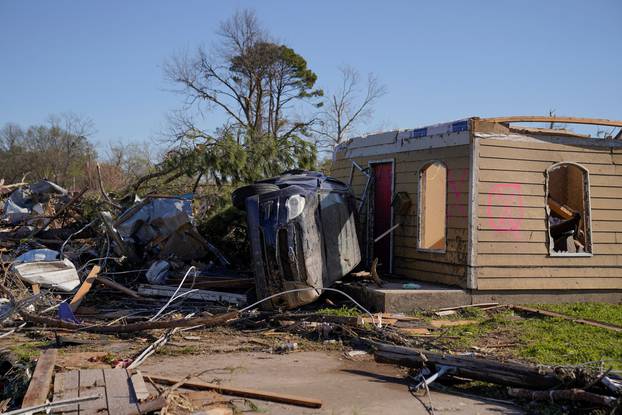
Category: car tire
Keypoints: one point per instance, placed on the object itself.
(239, 196)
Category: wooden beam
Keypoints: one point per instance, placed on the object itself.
(116, 286)
(236, 391)
(563, 120)
(39, 386)
(84, 288)
(553, 314)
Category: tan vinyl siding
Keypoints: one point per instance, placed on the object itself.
(448, 267)
(512, 248)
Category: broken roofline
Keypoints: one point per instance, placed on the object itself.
(457, 133)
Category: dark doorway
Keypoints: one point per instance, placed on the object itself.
(383, 192)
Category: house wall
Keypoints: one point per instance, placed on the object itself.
(448, 267)
(511, 250)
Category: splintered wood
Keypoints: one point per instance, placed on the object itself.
(113, 386)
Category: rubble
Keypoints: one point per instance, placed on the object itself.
(145, 273)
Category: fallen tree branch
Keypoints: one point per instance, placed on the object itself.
(574, 395)
(547, 313)
(103, 191)
(476, 368)
(207, 321)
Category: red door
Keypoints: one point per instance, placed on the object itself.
(383, 187)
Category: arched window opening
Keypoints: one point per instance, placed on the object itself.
(432, 207)
(568, 207)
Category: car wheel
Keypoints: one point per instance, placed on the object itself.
(239, 196)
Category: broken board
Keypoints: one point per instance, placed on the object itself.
(114, 387)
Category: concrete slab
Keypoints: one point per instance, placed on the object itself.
(397, 296)
(346, 387)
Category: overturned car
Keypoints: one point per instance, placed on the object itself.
(302, 230)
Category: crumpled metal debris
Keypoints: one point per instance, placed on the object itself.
(39, 267)
(164, 227)
(29, 201)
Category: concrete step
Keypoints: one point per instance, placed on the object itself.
(404, 296)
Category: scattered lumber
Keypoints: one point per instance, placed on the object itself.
(116, 286)
(39, 386)
(554, 314)
(575, 395)
(113, 388)
(148, 290)
(139, 386)
(476, 368)
(206, 321)
(84, 288)
(237, 391)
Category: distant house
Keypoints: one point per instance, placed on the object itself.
(491, 207)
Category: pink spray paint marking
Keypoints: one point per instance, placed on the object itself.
(454, 178)
(508, 196)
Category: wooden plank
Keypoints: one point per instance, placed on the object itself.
(203, 295)
(611, 192)
(120, 396)
(84, 289)
(39, 386)
(511, 176)
(604, 203)
(435, 277)
(549, 283)
(237, 391)
(540, 144)
(139, 386)
(540, 236)
(537, 166)
(512, 248)
(545, 260)
(506, 187)
(548, 272)
(538, 248)
(436, 267)
(562, 120)
(92, 383)
(553, 314)
(116, 286)
(504, 212)
(67, 386)
(553, 156)
(513, 227)
(510, 199)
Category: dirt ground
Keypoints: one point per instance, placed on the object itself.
(346, 387)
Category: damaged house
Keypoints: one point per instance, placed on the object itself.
(502, 211)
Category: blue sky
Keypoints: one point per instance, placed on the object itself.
(440, 60)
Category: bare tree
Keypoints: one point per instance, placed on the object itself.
(349, 107)
(258, 85)
(57, 150)
(249, 77)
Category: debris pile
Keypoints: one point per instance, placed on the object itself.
(73, 272)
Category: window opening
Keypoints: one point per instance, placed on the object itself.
(432, 207)
(568, 208)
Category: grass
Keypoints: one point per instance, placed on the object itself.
(545, 340)
(26, 352)
(607, 313)
(340, 312)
